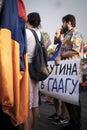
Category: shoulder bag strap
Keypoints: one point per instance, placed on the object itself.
(36, 37)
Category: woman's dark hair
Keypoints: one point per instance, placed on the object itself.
(69, 18)
(34, 19)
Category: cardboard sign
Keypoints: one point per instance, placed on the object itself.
(63, 81)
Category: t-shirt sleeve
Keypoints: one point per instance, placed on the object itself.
(77, 41)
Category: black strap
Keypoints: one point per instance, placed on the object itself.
(36, 36)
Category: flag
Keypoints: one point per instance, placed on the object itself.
(14, 78)
(56, 53)
(47, 43)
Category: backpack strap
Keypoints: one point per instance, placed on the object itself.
(36, 37)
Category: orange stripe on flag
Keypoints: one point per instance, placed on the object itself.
(14, 85)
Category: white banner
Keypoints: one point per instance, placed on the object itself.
(63, 82)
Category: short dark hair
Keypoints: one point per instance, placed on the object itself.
(70, 18)
(34, 19)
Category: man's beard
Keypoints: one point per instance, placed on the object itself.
(64, 30)
(56, 41)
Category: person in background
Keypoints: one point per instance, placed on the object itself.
(48, 46)
(33, 22)
(61, 114)
(71, 49)
(57, 42)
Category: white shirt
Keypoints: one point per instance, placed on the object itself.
(31, 42)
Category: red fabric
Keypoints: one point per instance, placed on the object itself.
(22, 10)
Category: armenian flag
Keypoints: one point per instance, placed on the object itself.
(14, 84)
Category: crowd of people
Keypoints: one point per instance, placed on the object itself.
(68, 41)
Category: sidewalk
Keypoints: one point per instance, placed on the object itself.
(48, 109)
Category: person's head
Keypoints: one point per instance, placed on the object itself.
(58, 35)
(34, 19)
(69, 21)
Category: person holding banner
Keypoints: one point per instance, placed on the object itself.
(71, 49)
(61, 114)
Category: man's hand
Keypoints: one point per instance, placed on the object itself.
(69, 54)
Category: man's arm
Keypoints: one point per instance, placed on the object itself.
(69, 54)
